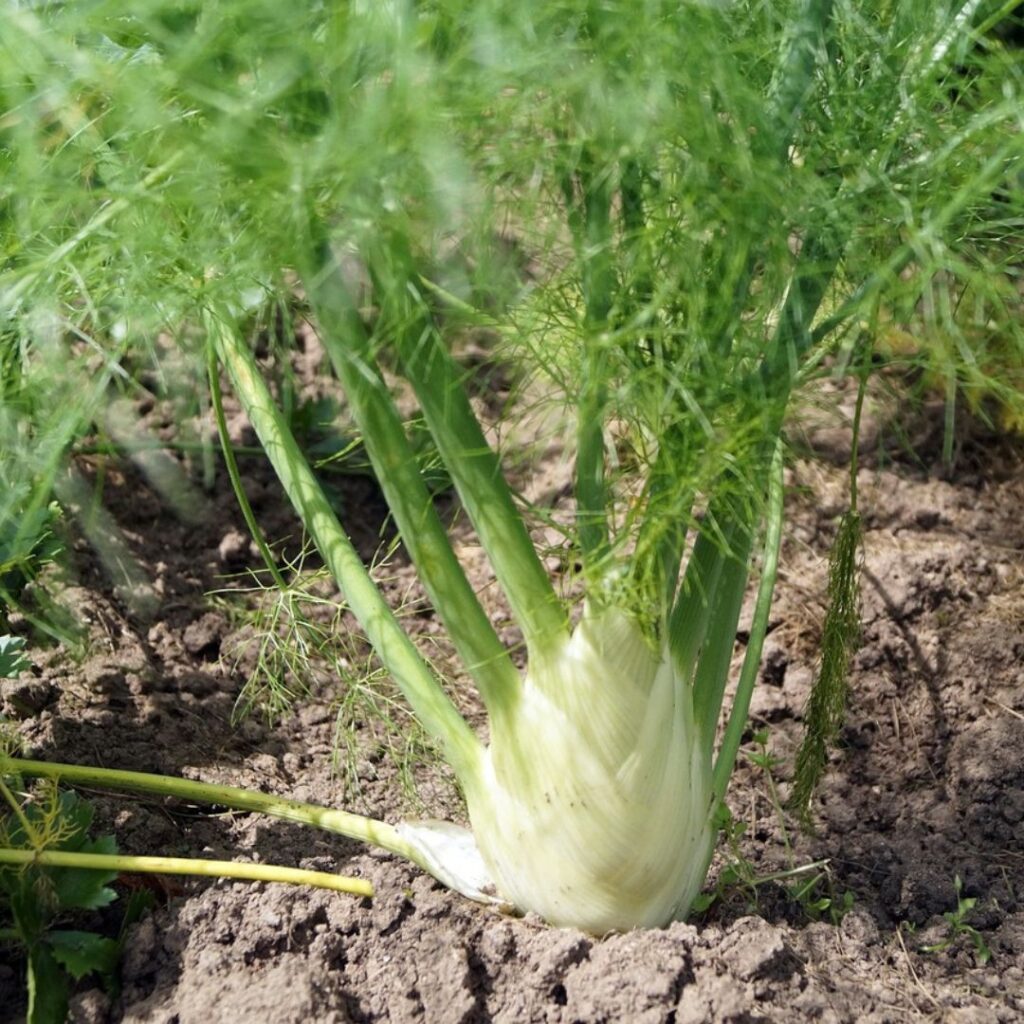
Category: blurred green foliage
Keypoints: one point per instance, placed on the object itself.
(157, 159)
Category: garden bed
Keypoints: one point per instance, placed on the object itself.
(927, 787)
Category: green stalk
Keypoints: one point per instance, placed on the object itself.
(858, 412)
(669, 547)
(792, 81)
(474, 468)
(352, 826)
(739, 711)
(590, 220)
(698, 593)
(634, 223)
(591, 493)
(721, 576)
(661, 539)
(411, 504)
(400, 657)
(186, 866)
(213, 374)
(794, 76)
(716, 652)
(398, 474)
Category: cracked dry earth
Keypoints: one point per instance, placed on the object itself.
(926, 786)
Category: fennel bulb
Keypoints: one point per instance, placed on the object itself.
(592, 804)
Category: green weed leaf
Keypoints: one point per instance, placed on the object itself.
(12, 660)
(82, 953)
(86, 888)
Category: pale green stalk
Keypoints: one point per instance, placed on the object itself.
(739, 712)
(419, 685)
(352, 826)
(397, 471)
(716, 654)
(698, 592)
(473, 466)
(485, 493)
(593, 232)
(186, 866)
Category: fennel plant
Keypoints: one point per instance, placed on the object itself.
(718, 196)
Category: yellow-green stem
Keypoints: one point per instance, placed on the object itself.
(353, 826)
(758, 629)
(419, 685)
(187, 866)
(350, 349)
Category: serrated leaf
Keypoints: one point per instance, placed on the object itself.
(47, 988)
(86, 888)
(81, 953)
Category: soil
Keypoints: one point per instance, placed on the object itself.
(926, 785)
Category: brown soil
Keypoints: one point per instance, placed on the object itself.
(928, 785)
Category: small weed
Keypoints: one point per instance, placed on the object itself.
(37, 904)
(957, 924)
(27, 544)
(810, 886)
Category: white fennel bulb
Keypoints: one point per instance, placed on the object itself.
(592, 804)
